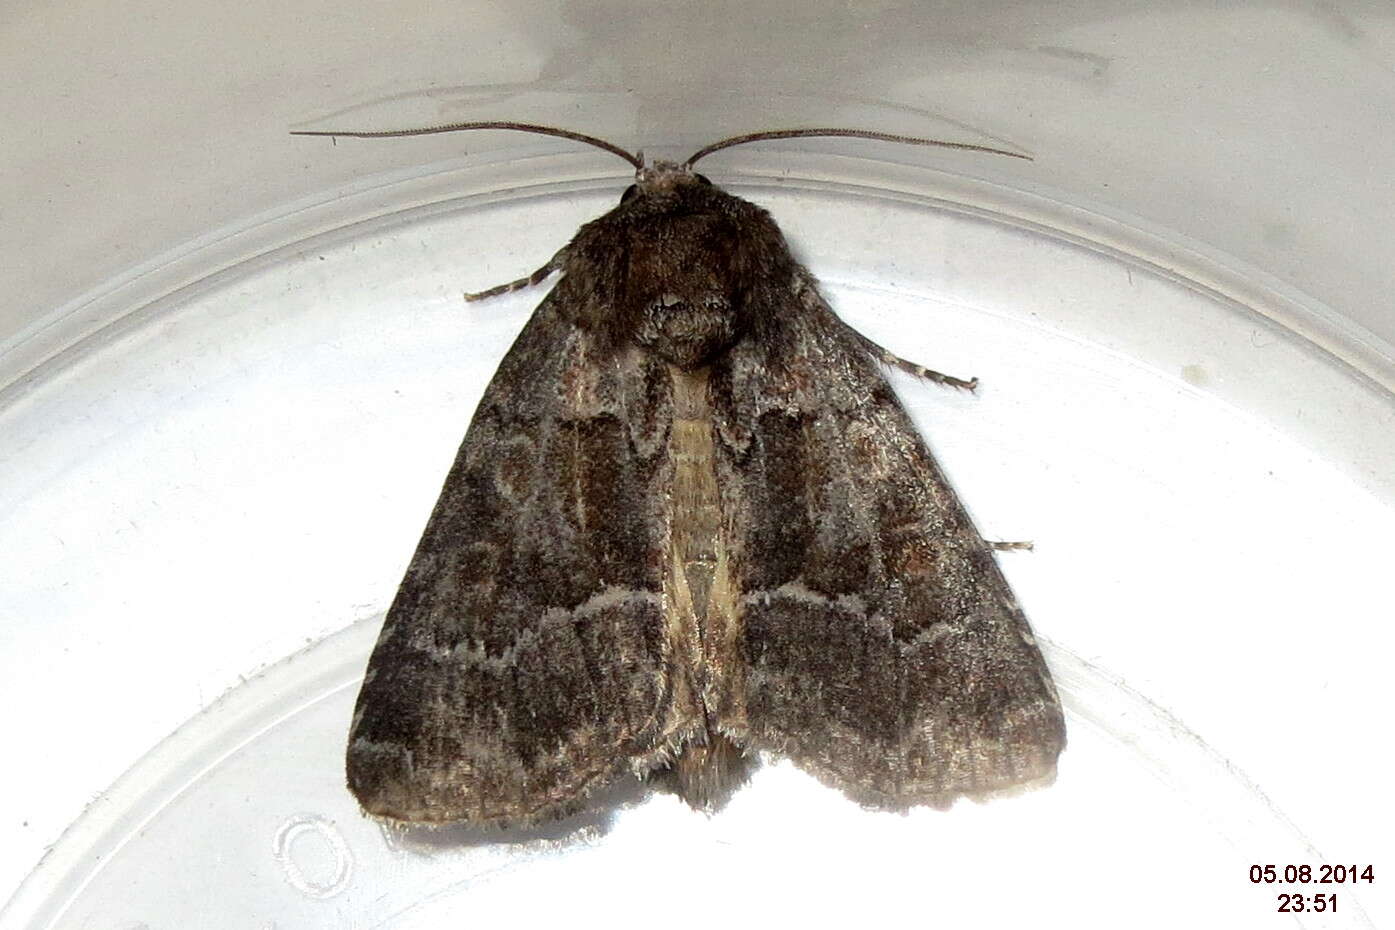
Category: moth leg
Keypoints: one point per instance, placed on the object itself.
(1002, 546)
(920, 371)
(554, 264)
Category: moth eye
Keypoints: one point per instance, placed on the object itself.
(703, 179)
(630, 192)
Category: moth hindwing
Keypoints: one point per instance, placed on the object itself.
(690, 522)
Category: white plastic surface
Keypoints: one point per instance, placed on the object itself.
(240, 366)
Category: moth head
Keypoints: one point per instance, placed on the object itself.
(678, 266)
(662, 177)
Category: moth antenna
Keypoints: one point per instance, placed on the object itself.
(846, 134)
(491, 124)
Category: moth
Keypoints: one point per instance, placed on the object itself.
(690, 523)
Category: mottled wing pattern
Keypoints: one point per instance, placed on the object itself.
(883, 651)
(524, 661)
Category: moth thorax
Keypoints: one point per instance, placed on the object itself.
(684, 290)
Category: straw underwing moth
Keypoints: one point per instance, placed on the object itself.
(689, 523)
